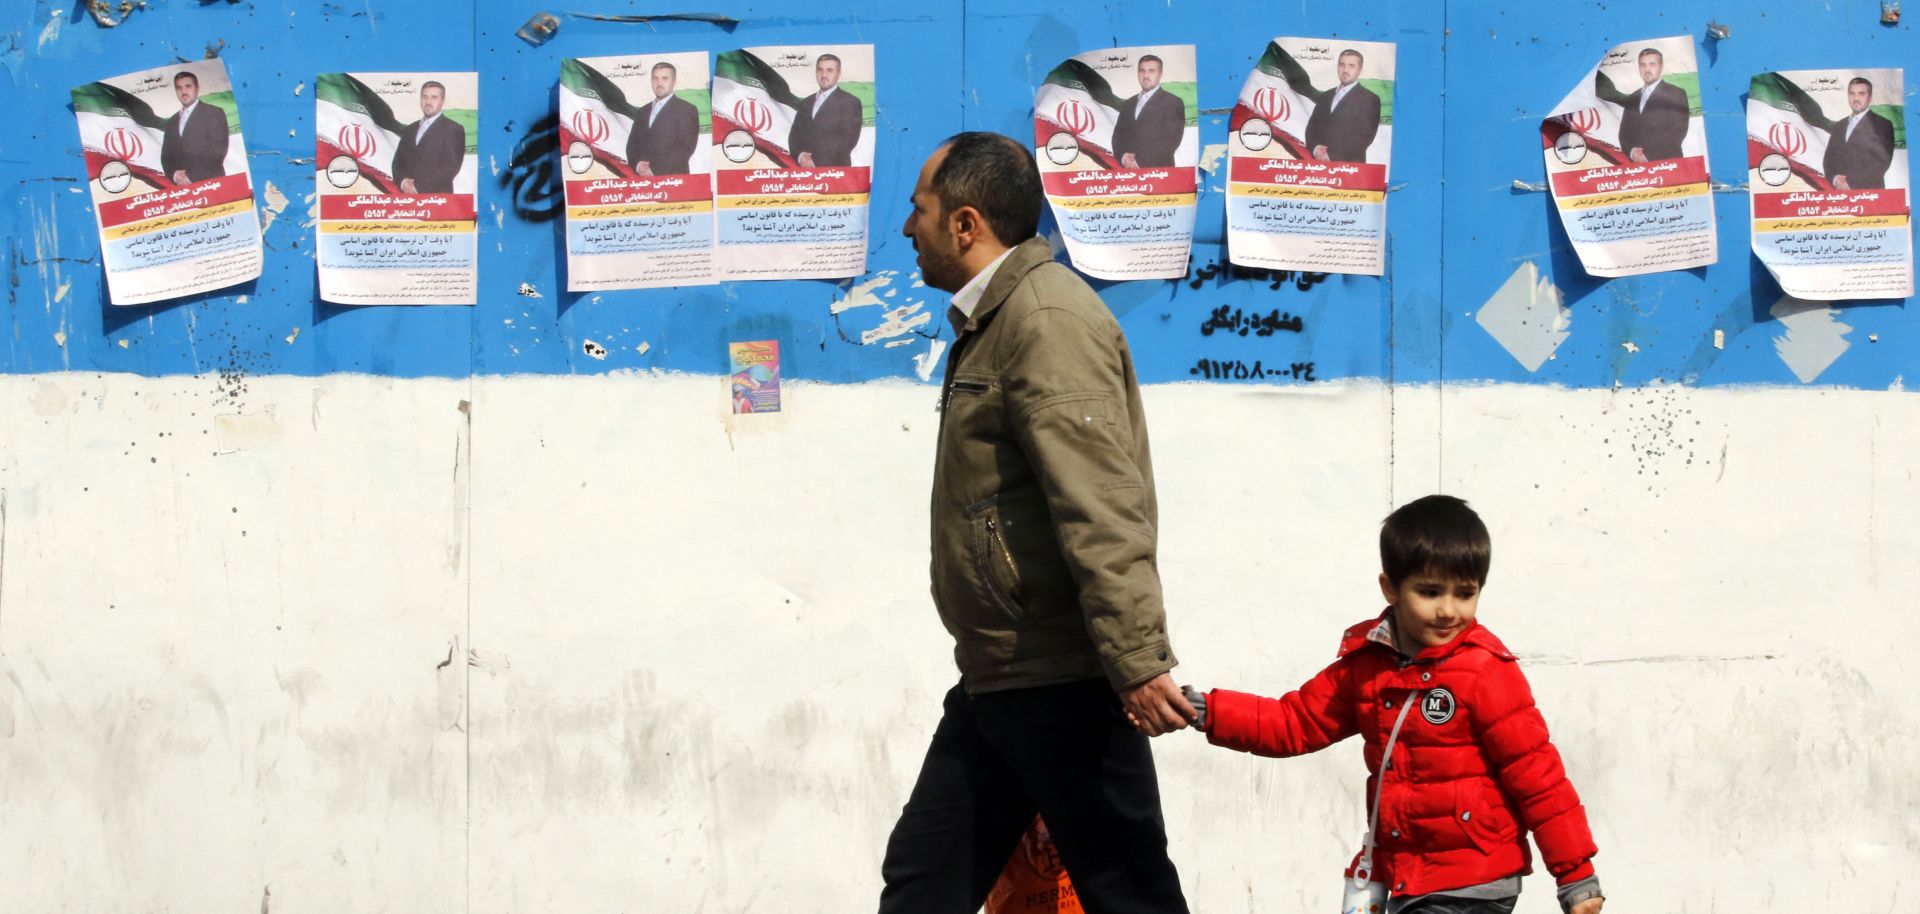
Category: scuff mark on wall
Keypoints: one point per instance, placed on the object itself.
(492, 662)
(1525, 316)
(1814, 337)
(50, 32)
(3, 593)
(235, 432)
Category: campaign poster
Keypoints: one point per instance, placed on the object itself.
(754, 368)
(397, 169)
(793, 161)
(1308, 148)
(634, 145)
(167, 173)
(1117, 138)
(1827, 171)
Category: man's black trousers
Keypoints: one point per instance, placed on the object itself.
(1064, 751)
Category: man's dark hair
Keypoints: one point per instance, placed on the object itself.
(1145, 58)
(663, 65)
(430, 84)
(1861, 81)
(1439, 535)
(187, 74)
(1656, 55)
(1356, 55)
(826, 57)
(996, 175)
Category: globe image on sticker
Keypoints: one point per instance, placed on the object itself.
(1063, 148)
(115, 176)
(1570, 148)
(737, 147)
(1775, 170)
(579, 157)
(1256, 134)
(342, 171)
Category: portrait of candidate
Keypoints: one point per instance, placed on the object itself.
(827, 125)
(195, 147)
(1346, 117)
(1151, 123)
(1653, 118)
(432, 148)
(1860, 145)
(664, 132)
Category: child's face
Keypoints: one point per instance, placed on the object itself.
(1430, 609)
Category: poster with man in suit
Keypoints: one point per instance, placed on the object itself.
(638, 170)
(167, 173)
(1308, 149)
(1827, 170)
(826, 124)
(396, 169)
(1627, 167)
(1152, 123)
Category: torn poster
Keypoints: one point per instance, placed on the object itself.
(167, 173)
(1120, 172)
(637, 170)
(1626, 156)
(793, 160)
(755, 373)
(397, 171)
(1308, 147)
(1827, 170)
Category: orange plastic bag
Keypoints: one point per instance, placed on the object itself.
(1034, 881)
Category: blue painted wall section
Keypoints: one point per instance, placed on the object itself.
(1474, 77)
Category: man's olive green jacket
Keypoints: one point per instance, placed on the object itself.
(1043, 508)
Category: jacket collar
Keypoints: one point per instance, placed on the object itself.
(1021, 260)
(1376, 633)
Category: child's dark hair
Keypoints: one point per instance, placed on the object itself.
(1437, 534)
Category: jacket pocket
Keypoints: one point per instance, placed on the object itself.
(1479, 812)
(993, 559)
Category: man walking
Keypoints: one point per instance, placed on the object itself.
(1044, 550)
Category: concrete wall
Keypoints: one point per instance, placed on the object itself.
(428, 610)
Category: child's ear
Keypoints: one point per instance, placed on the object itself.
(1387, 589)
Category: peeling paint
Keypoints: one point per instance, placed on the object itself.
(861, 296)
(643, 348)
(60, 338)
(1525, 316)
(594, 350)
(923, 363)
(527, 290)
(1719, 339)
(302, 87)
(51, 31)
(121, 343)
(276, 204)
(293, 336)
(1630, 347)
(899, 321)
(1814, 337)
(1211, 156)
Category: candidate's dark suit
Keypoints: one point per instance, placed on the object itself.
(1863, 159)
(1153, 134)
(831, 135)
(1346, 129)
(667, 144)
(1658, 130)
(432, 160)
(202, 151)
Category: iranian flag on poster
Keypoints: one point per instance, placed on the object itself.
(116, 126)
(355, 131)
(1077, 106)
(753, 108)
(595, 112)
(1827, 173)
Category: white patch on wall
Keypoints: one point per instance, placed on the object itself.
(1814, 338)
(923, 363)
(1211, 156)
(276, 204)
(862, 295)
(1525, 316)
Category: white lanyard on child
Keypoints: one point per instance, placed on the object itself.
(1364, 871)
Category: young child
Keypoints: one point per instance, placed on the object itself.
(1472, 770)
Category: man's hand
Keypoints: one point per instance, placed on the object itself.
(1128, 161)
(1840, 182)
(1156, 706)
(1637, 154)
(1320, 153)
(1590, 906)
(806, 160)
(645, 170)
(180, 176)
(406, 186)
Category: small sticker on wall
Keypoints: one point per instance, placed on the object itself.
(755, 373)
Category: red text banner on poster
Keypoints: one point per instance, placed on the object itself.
(1802, 204)
(201, 195)
(840, 179)
(1609, 179)
(1091, 183)
(1293, 172)
(407, 207)
(619, 191)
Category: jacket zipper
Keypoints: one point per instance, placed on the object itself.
(993, 530)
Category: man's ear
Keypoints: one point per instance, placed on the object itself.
(967, 225)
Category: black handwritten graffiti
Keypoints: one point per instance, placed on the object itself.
(1301, 279)
(1236, 370)
(1234, 320)
(533, 173)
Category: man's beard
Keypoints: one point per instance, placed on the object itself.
(941, 270)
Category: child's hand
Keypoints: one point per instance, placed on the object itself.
(1156, 706)
(1590, 906)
